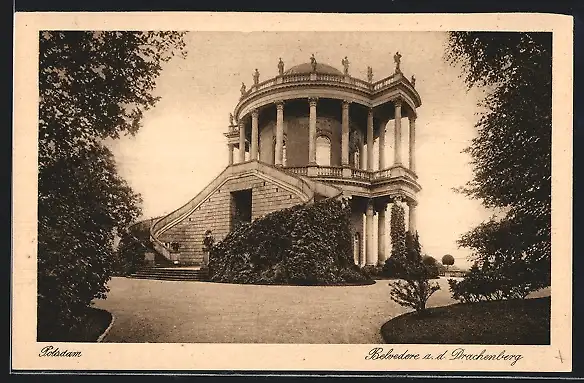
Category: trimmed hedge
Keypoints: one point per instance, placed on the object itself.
(301, 245)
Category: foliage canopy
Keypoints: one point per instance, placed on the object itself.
(511, 154)
(92, 86)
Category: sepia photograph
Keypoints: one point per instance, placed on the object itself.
(384, 188)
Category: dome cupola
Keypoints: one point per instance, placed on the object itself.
(307, 68)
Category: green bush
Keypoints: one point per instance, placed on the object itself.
(414, 289)
(372, 271)
(488, 282)
(393, 268)
(432, 266)
(129, 256)
(301, 245)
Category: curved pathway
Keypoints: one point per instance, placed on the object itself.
(204, 312)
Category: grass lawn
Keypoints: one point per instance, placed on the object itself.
(203, 312)
(523, 321)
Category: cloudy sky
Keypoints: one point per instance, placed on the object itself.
(181, 146)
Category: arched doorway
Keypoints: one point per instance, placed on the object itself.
(323, 151)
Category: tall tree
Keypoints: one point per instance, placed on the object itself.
(398, 231)
(394, 265)
(92, 86)
(511, 154)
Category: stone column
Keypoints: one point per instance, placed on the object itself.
(382, 145)
(413, 143)
(370, 140)
(312, 132)
(230, 154)
(370, 259)
(345, 135)
(279, 133)
(357, 228)
(381, 257)
(412, 216)
(362, 155)
(241, 140)
(398, 139)
(254, 135)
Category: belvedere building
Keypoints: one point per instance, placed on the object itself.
(311, 132)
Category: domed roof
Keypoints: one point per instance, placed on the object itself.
(307, 68)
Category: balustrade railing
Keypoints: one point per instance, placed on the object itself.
(326, 77)
(329, 171)
(263, 85)
(361, 174)
(384, 82)
(295, 78)
(300, 170)
(381, 174)
(356, 174)
(363, 84)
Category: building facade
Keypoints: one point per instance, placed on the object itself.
(311, 132)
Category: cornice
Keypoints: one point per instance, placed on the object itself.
(350, 86)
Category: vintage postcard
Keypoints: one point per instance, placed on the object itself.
(300, 192)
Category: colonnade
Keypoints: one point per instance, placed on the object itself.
(369, 256)
(312, 135)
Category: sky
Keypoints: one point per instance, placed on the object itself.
(180, 147)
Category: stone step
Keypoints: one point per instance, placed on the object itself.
(171, 274)
(191, 272)
(168, 278)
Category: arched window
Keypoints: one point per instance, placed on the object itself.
(323, 151)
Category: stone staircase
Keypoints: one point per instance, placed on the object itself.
(171, 274)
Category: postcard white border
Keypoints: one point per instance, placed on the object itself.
(277, 357)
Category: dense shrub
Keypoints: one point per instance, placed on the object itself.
(129, 256)
(392, 268)
(372, 271)
(302, 245)
(488, 281)
(432, 266)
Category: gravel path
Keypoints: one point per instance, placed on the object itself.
(203, 312)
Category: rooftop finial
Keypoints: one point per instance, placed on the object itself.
(281, 67)
(242, 89)
(345, 63)
(256, 77)
(413, 81)
(397, 59)
(313, 62)
(370, 74)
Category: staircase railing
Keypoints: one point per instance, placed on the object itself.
(303, 185)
